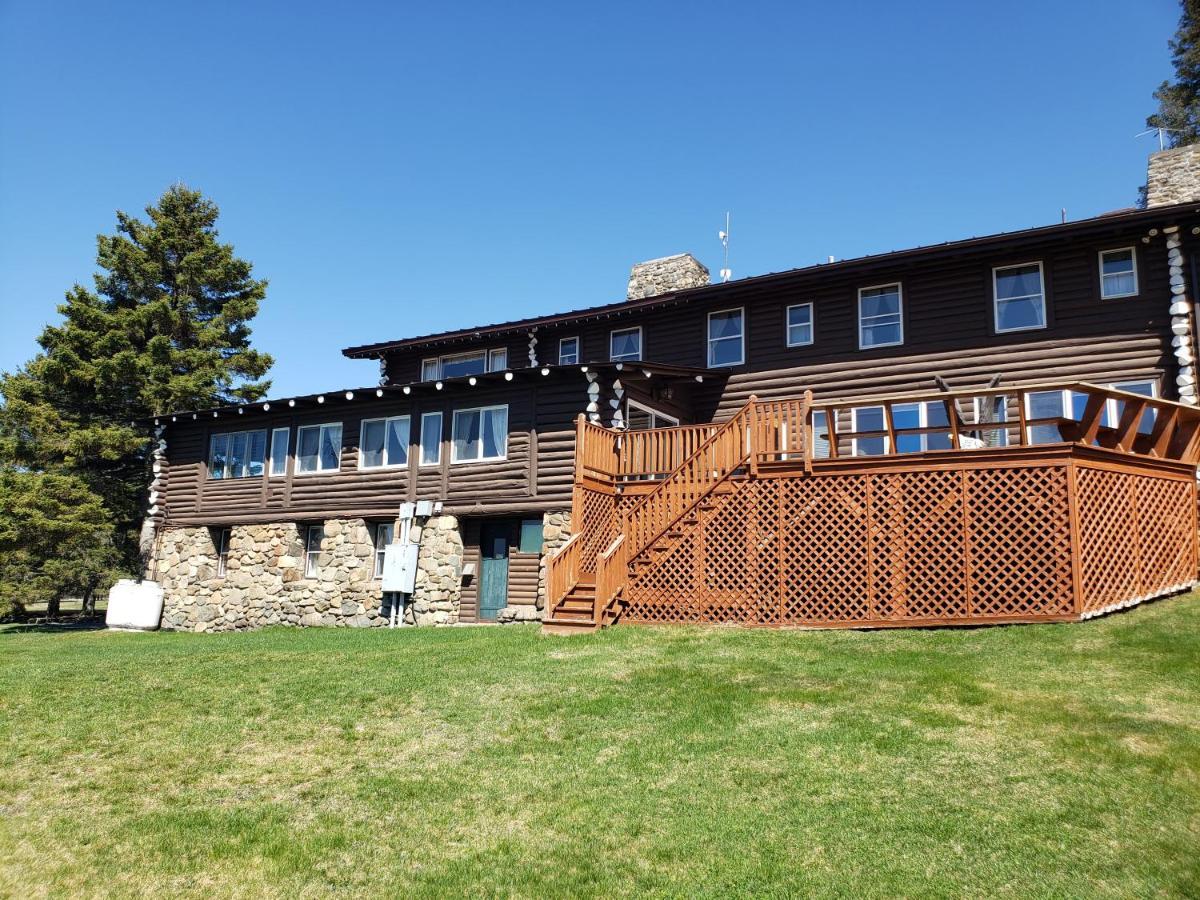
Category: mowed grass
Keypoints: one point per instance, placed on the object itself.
(1057, 760)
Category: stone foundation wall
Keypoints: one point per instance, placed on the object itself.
(265, 584)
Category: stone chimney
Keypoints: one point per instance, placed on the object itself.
(661, 276)
(1173, 176)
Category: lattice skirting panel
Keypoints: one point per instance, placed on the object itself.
(922, 547)
(1138, 537)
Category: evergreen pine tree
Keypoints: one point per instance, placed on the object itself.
(1179, 101)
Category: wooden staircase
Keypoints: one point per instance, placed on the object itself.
(650, 528)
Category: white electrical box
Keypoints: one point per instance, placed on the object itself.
(406, 510)
(400, 567)
(424, 507)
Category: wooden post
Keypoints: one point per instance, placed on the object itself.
(752, 439)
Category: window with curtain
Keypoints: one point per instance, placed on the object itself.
(726, 338)
(431, 438)
(800, 325)
(237, 454)
(1118, 273)
(880, 316)
(383, 536)
(479, 434)
(279, 451)
(383, 443)
(625, 343)
(568, 351)
(318, 448)
(1020, 297)
(313, 536)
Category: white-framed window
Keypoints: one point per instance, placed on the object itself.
(568, 351)
(383, 443)
(1020, 297)
(868, 418)
(820, 434)
(223, 538)
(384, 532)
(1118, 273)
(800, 325)
(280, 438)
(313, 536)
(431, 438)
(318, 448)
(925, 414)
(472, 362)
(237, 454)
(726, 338)
(479, 434)
(641, 418)
(880, 316)
(1066, 404)
(625, 343)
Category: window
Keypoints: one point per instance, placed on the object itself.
(927, 414)
(869, 418)
(313, 536)
(383, 443)
(880, 316)
(640, 418)
(383, 536)
(238, 454)
(1071, 405)
(479, 434)
(800, 325)
(625, 343)
(223, 551)
(1115, 408)
(1118, 273)
(726, 338)
(991, 410)
(568, 351)
(279, 450)
(821, 436)
(531, 536)
(475, 362)
(1020, 297)
(318, 448)
(431, 438)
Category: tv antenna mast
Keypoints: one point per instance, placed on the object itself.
(726, 272)
(1161, 131)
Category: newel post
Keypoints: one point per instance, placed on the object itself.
(579, 420)
(751, 443)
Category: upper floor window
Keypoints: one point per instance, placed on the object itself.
(625, 343)
(237, 454)
(383, 536)
(479, 434)
(726, 338)
(1020, 297)
(880, 316)
(431, 438)
(568, 351)
(800, 325)
(1118, 273)
(279, 451)
(383, 442)
(475, 362)
(318, 448)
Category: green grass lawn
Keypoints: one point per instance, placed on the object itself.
(1053, 760)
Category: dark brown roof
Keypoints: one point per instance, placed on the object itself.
(1166, 215)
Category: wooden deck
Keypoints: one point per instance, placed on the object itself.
(769, 519)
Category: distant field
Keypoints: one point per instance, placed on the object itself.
(1049, 760)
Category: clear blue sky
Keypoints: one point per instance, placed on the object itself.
(395, 169)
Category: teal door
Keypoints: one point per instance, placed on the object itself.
(493, 570)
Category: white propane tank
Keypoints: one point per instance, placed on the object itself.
(134, 605)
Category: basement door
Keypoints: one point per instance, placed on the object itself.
(493, 569)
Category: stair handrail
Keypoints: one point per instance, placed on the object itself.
(562, 571)
(612, 569)
(650, 516)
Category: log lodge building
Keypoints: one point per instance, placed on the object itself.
(1042, 343)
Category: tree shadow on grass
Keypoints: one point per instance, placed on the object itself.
(53, 626)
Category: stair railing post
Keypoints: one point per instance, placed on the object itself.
(751, 442)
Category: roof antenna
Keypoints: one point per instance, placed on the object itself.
(1161, 131)
(726, 272)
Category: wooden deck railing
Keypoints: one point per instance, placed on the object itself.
(657, 452)
(612, 571)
